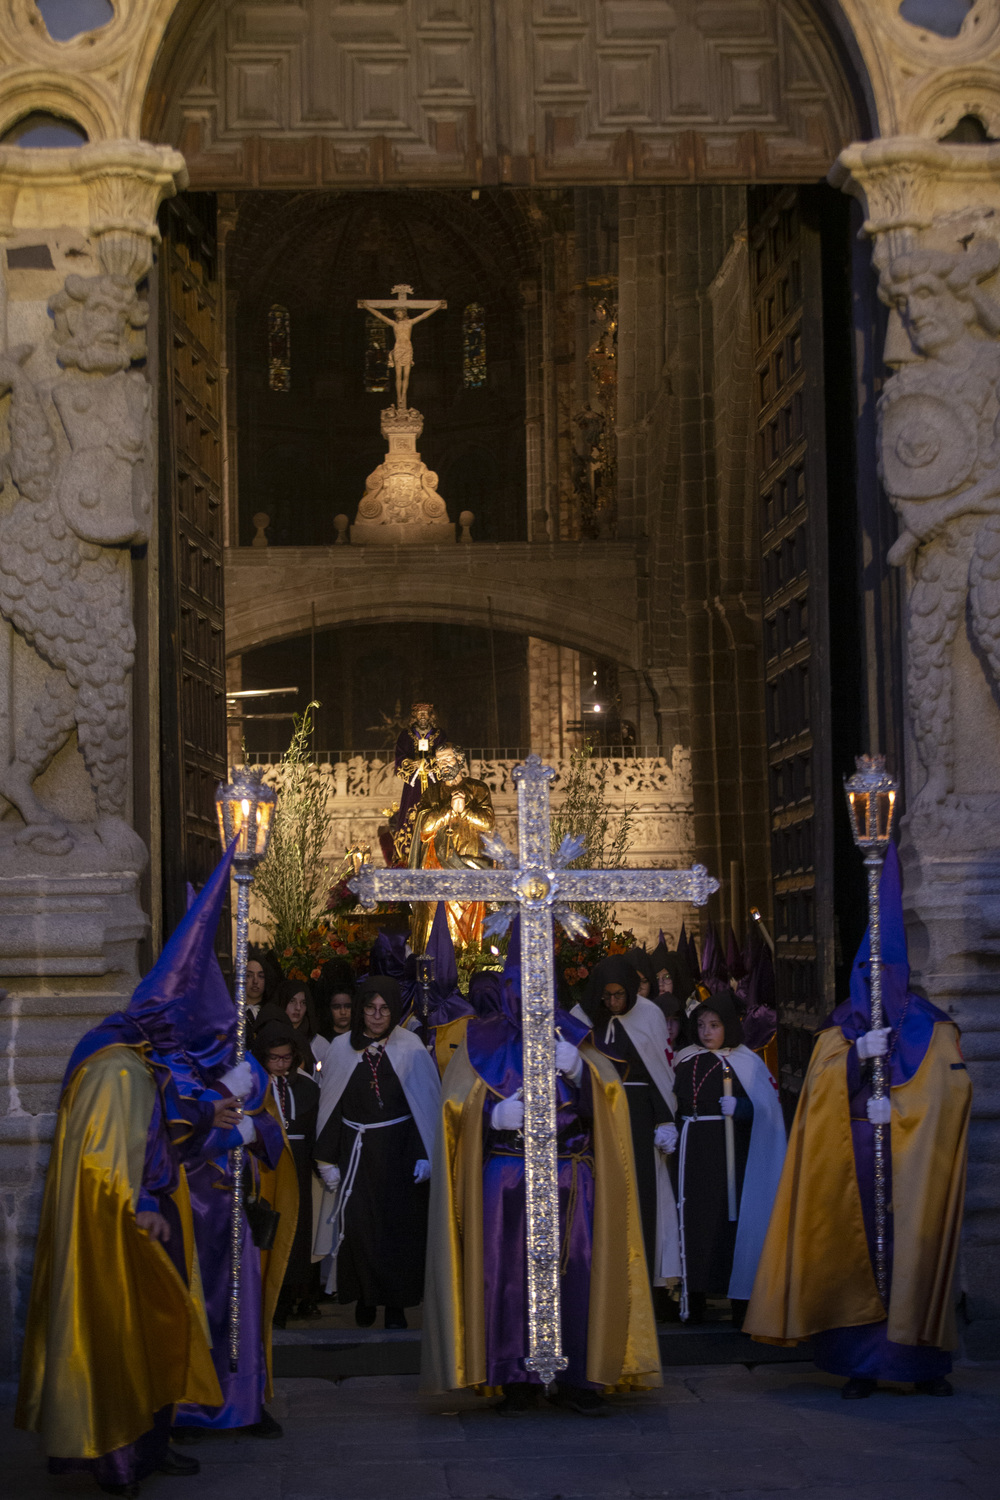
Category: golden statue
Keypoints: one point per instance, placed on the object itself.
(454, 812)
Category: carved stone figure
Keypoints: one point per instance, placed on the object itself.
(401, 503)
(402, 324)
(939, 421)
(64, 584)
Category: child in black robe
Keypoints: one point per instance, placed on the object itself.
(278, 1050)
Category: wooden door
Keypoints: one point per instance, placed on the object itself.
(192, 647)
(786, 290)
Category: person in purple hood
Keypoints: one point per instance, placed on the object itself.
(475, 1296)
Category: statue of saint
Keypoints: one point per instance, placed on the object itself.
(402, 323)
(416, 748)
(454, 812)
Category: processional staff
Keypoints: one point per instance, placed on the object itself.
(871, 802)
(245, 809)
(543, 888)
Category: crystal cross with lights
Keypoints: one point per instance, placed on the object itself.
(543, 888)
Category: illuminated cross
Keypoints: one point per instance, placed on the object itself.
(542, 888)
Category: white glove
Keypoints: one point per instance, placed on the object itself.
(508, 1114)
(665, 1139)
(247, 1130)
(239, 1080)
(568, 1060)
(422, 1170)
(873, 1043)
(727, 1104)
(329, 1176)
(879, 1111)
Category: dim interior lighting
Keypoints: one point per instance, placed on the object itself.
(494, 950)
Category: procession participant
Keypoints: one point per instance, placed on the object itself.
(116, 1330)
(816, 1278)
(632, 1033)
(727, 1174)
(277, 1047)
(448, 1011)
(484, 992)
(643, 965)
(292, 1002)
(454, 814)
(332, 993)
(256, 983)
(476, 1313)
(374, 1145)
(671, 1007)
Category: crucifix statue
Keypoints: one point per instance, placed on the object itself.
(401, 322)
(543, 889)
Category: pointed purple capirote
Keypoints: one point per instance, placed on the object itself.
(183, 1004)
(899, 1002)
(447, 1002)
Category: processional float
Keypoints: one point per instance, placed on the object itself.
(541, 887)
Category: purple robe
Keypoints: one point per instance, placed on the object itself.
(505, 1270)
(401, 822)
(865, 1351)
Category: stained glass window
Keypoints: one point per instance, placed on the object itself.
(376, 355)
(474, 345)
(279, 349)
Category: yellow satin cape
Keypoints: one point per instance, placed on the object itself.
(621, 1332)
(815, 1271)
(281, 1189)
(113, 1334)
(447, 1040)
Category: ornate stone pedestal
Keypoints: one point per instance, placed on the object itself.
(401, 503)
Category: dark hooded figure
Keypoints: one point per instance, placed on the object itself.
(374, 1145)
(632, 1033)
(642, 963)
(484, 992)
(293, 1003)
(336, 977)
(278, 1047)
(728, 1172)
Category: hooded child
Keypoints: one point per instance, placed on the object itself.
(632, 1034)
(374, 1145)
(277, 1046)
(731, 1152)
(476, 1299)
(116, 1330)
(816, 1278)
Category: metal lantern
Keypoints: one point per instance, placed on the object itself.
(871, 805)
(245, 808)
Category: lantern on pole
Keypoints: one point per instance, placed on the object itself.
(245, 808)
(871, 805)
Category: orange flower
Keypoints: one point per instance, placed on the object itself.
(315, 973)
(582, 971)
(287, 953)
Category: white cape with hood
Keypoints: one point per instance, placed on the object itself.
(416, 1071)
(647, 1031)
(765, 1160)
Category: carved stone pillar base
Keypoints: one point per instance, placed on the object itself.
(401, 504)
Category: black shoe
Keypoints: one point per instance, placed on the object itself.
(938, 1387)
(584, 1402)
(130, 1490)
(178, 1464)
(395, 1317)
(187, 1435)
(858, 1389)
(364, 1316)
(518, 1398)
(267, 1427)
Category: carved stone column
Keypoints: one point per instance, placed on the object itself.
(933, 213)
(77, 228)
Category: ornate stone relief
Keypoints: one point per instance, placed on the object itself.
(936, 248)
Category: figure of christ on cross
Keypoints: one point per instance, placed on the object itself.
(543, 889)
(401, 322)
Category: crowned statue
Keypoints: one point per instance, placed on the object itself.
(416, 747)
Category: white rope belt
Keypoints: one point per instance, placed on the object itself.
(353, 1162)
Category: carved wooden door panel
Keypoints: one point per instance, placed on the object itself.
(785, 277)
(192, 654)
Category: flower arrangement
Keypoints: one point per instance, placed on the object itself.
(575, 958)
(311, 948)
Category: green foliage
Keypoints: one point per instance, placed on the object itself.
(292, 882)
(586, 812)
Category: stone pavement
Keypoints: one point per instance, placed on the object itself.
(712, 1431)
